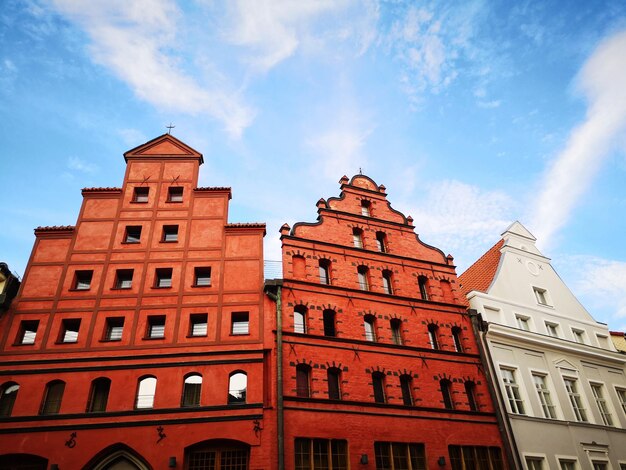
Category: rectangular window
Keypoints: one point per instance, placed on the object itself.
(321, 454)
(69, 330)
(239, 323)
(567, 464)
(82, 279)
(170, 233)
(399, 455)
(28, 332)
(579, 336)
(575, 399)
(133, 234)
(541, 295)
(202, 276)
(621, 395)
(140, 194)
(175, 194)
(599, 465)
(544, 396)
(198, 324)
(511, 388)
(156, 326)
(396, 331)
(522, 322)
(598, 395)
(163, 277)
(534, 463)
(123, 278)
(551, 328)
(475, 457)
(114, 329)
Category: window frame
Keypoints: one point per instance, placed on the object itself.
(27, 334)
(155, 327)
(522, 322)
(100, 387)
(175, 193)
(576, 399)
(197, 320)
(366, 208)
(299, 319)
(303, 381)
(191, 395)
(111, 327)
(141, 195)
(329, 322)
(456, 332)
(433, 337)
(543, 391)
(396, 331)
(242, 399)
(381, 242)
(357, 238)
(82, 279)
(387, 276)
(239, 323)
(378, 384)
(369, 325)
(328, 453)
(8, 395)
(406, 387)
(149, 395)
(422, 282)
(400, 455)
(123, 278)
(202, 276)
(69, 325)
(132, 234)
(363, 278)
(541, 296)
(333, 377)
(52, 406)
(604, 407)
(163, 278)
(512, 391)
(470, 392)
(169, 233)
(323, 268)
(445, 386)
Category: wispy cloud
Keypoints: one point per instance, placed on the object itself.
(339, 151)
(570, 175)
(77, 164)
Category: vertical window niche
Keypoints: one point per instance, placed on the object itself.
(69, 330)
(357, 237)
(446, 393)
(240, 323)
(198, 324)
(303, 381)
(396, 331)
(512, 391)
(170, 234)
(333, 374)
(381, 242)
(123, 279)
(362, 275)
(98, 395)
(163, 278)
(470, 392)
(406, 382)
(52, 398)
(192, 388)
(378, 384)
(114, 329)
(366, 208)
(541, 295)
(132, 234)
(82, 279)
(237, 388)
(324, 271)
(299, 319)
(202, 276)
(146, 391)
(422, 282)
(156, 327)
(298, 263)
(369, 323)
(456, 338)
(433, 336)
(140, 194)
(329, 323)
(175, 194)
(388, 282)
(8, 394)
(28, 332)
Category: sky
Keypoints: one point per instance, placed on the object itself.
(473, 114)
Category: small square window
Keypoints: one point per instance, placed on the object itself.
(141, 194)
(198, 324)
(28, 332)
(114, 329)
(579, 336)
(163, 277)
(202, 276)
(552, 329)
(541, 295)
(133, 234)
(82, 280)
(123, 278)
(175, 194)
(69, 330)
(170, 233)
(156, 326)
(523, 323)
(240, 323)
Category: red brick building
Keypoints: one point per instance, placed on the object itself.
(378, 365)
(137, 338)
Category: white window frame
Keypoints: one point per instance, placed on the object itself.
(545, 393)
(522, 320)
(542, 297)
(603, 403)
(555, 326)
(569, 459)
(579, 411)
(577, 334)
(621, 397)
(517, 385)
(537, 457)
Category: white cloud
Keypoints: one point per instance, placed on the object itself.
(490, 104)
(132, 137)
(77, 164)
(569, 176)
(339, 151)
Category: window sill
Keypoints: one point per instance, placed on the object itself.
(130, 243)
(73, 289)
(195, 286)
(23, 344)
(161, 287)
(196, 336)
(110, 340)
(139, 202)
(121, 288)
(152, 338)
(240, 334)
(174, 202)
(66, 342)
(168, 241)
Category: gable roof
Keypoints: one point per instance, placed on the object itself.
(480, 274)
(164, 145)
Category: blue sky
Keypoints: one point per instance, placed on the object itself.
(472, 114)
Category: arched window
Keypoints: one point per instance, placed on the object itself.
(299, 319)
(334, 378)
(396, 331)
(217, 454)
(456, 337)
(329, 323)
(369, 322)
(432, 336)
(405, 386)
(8, 394)
(303, 381)
(381, 242)
(365, 208)
(357, 237)
(145, 393)
(98, 395)
(387, 282)
(446, 393)
(298, 264)
(237, 386)
(378, 383)
(324, 270)
(192, 389)
(362, 274)
(53, 395)
(423, 285)
(470, 391)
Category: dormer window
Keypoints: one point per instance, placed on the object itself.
(365, 208)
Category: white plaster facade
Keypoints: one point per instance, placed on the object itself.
(561, 383)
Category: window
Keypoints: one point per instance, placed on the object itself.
(146, 392)
(534, 463)
(381, 242)
(123, 278)
(541, 295)
(133, 234)
(321, 454)
(598, 395)
(141, 194)
(575, 399)
(522, 322)
(362, 276)
(334, 390)
(567, 464)
(552, 330)
(298, 264)
(511, 388)
(329, 323)
(545, 400)
(396, 331)
(114, 329)
(237, 386)
(28, 332)
(239, 323)
(432, 336)
(8, 394)
(227, 455)
(387, 285)
(579, 336)
(202, 276)
(422, 281)
(99, 395)
(156, 327)
(82, 279)
(198, 324)
(175, 194)
(53, 395)
(471, 457)
(399, 456)
(470, 391)
(163, 277)
(192, 388)
(170, 233)
(365, 208)
(357, 237)
(456, 338)
(599, 465)
(303, 381)
(369, 322)
(69, 330)
(446, 393)
(621, 395)
(378, 383)
(324, 271)
(405, 387)
(299, 319)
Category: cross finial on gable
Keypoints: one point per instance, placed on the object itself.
(169, 128)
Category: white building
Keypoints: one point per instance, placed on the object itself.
(561, 384)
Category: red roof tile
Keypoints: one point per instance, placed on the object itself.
(95, 190)
(480, 274)
(55, 228)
